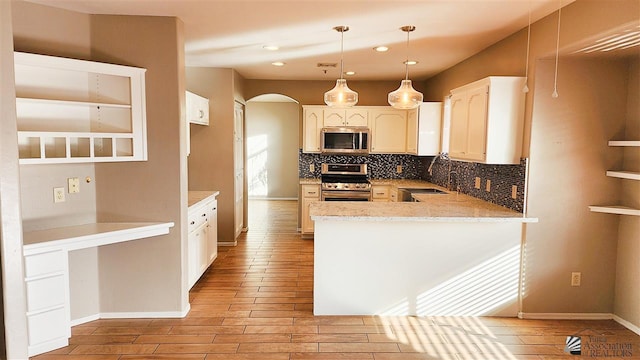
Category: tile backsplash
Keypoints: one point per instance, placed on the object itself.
(379, 166)
(463, 174)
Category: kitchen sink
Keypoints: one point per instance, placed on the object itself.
(404, 194)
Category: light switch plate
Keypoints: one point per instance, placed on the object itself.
(514, 191)
(477, 184)
(488, 187)
(399, 169)
(74, 185)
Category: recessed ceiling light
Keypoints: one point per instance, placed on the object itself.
(410, 62)
(277, 63)
(271, 47)
(350, 73)
(381, 48)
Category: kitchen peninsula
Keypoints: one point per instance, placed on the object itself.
(448, 254)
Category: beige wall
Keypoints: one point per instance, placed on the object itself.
(627, 294)
(211, 158)
(153, 190)
(569, 156)
(272, 135)
(13, 302)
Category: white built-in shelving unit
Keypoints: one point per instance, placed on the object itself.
(71, 110)
(621, 174)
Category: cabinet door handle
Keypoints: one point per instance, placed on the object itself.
(205, 214)
(200, 114)
(192, 223)
(312, 192)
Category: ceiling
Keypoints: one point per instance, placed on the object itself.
(232, 33)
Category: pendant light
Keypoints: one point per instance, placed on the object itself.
(341, 95)
(406, 97)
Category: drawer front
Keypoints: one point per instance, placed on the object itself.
(311, 191)
(197, 217)
(381, 192)
(45, 263)
(48, 326)
(46, 292)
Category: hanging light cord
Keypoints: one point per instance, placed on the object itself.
(342, 30)
(555, 80)
(406, 64)
(526, 71)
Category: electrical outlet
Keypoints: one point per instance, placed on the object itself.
(399, 169)
(477, 185)
(312, 167)
(514, 191)
(58, 195)
(576, 278)
(74, 185)
(488, 187)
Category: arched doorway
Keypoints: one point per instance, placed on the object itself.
(272, 125)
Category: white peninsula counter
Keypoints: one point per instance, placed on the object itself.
(449, 254)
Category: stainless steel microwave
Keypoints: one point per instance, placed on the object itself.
(345, 140)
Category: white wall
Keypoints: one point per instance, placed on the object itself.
(272, 149)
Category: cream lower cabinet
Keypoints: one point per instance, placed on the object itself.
(389, 130)
(202, 240)
(310, 194)
(487, 119)
(381, 193)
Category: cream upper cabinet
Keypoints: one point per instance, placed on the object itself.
(487, 118)
(311, 127)
(389, 130)
(71, 111)
(345, 117)
(197, 109)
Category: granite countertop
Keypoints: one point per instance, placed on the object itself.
(452, 207)
(310, 181)
(197, 196)
(405, 183)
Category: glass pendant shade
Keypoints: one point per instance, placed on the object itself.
(341, 95)
(406, 97)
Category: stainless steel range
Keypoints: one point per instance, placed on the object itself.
(345, 182)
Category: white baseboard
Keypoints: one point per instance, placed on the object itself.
(132, 315)
(228, 243)
(627, 324)
(566, 316)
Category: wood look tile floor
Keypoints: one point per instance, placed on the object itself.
(256, 302)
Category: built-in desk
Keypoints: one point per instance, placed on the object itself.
(46, 262)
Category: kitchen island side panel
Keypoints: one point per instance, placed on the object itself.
(416, 268)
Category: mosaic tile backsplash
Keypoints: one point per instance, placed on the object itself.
(463, 174)
(379, 166)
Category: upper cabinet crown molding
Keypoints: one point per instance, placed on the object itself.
(71, 111)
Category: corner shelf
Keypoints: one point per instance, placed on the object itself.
(620, 174)
(615, 209)
(630, 175)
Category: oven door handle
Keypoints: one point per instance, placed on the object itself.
(345, 195)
